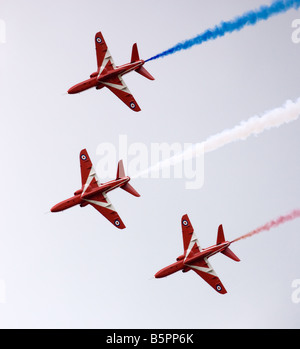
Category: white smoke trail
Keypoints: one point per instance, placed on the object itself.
(255, 125)
(289, 112)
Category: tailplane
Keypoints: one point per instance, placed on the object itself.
(145, 73)
(121, 174)
(129, 188)
(136, 57)
(227, 252)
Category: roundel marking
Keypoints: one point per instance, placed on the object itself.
(185, 222)
(117, 222)
(219, 288)
(83, 157)
(99, 40)
(132, 105)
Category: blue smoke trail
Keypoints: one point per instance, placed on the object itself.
(249, 18)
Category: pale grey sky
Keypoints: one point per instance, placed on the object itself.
(75, 269)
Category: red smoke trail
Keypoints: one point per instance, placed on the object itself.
(272, 224)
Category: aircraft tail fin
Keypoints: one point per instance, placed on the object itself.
(221, 237)
(120, 170)
(136, 57)
(135, 54)
(227, 252)
(121, 174)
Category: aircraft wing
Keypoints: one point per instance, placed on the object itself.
(104, 58)
(191, 246)
(103, 205)
(190, 241)
(204, 269)
(89, 177)
(120, 89)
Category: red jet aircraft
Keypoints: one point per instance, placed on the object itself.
(110, 76)
(195, 258)
(94, 193)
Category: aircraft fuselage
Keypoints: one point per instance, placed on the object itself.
(80, 197)
(99, 79)
(183, 264)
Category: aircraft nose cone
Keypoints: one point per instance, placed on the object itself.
(76, 88)
(157, 275)
(56, 208)
(71, 90)
(160, 274)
